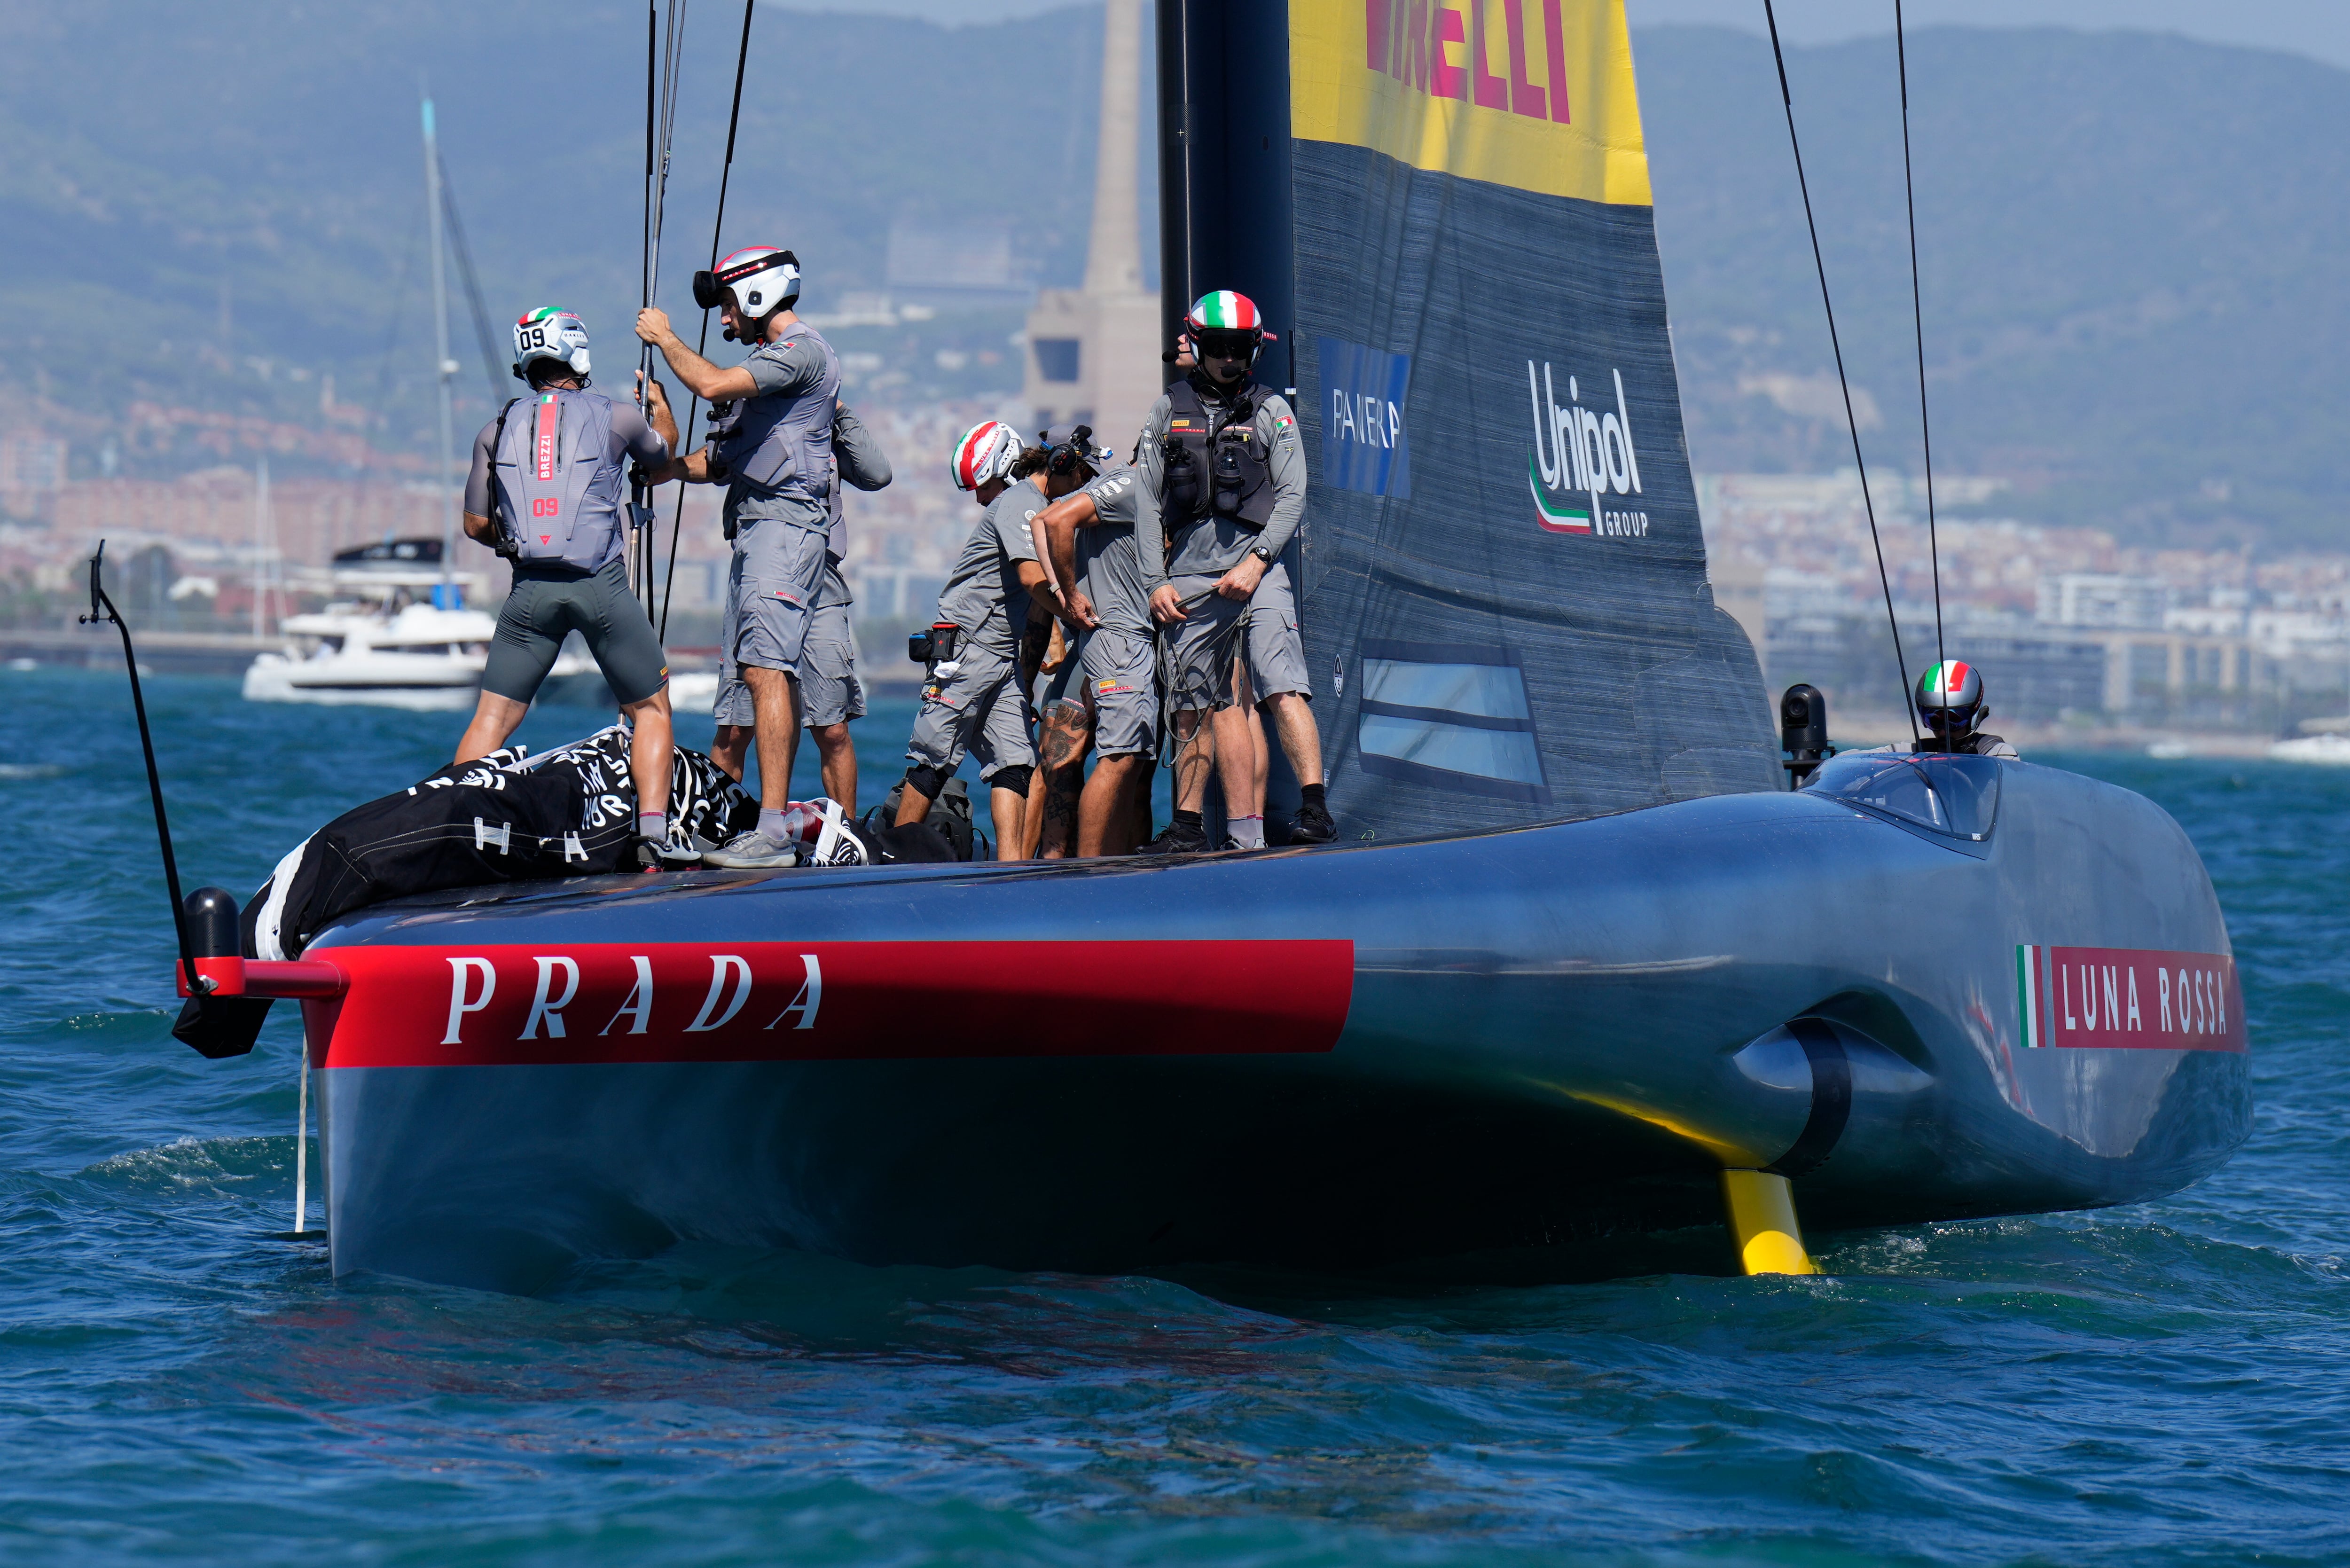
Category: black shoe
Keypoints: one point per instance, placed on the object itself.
(646, 856)
(1312, 825)
(1179, 838)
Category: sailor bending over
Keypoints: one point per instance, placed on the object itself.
(830, 692)
(973, 702)
(1223, 486)
(1951, 706)
(770, 445)
(1090, 538)
(546, 492)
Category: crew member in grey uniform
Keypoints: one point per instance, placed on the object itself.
(830, 692)
(546, 492)
(771, 446)
(1951, 704)
(1223, 487)
(971, 702)
(1090, 538)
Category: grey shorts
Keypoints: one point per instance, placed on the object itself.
(1200, 659)
(771, 592)
(830, 691)
(541, 611)
(978, 712)
(1121, 688)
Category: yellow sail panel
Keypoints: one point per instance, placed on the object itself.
(1472, 88)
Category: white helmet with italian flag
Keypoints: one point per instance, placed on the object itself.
(550, 333)
(1950, 698)
(986, 452)
(1225, 324)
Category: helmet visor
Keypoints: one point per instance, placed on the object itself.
(1219, 343)
(707, 291)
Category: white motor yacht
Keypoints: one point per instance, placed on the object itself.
(375, 648)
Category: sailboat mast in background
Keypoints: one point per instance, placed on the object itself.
(445, 595)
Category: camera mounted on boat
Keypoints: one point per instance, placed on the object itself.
(1803, 733)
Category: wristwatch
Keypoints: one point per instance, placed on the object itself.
(1262, 553)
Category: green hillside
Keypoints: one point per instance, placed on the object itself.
(2135, 308)
(269, 149)
(2130, 244)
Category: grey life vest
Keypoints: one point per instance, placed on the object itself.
(1229, 477)
(783, 445)
(554, 481)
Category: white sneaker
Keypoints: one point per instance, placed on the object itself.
(751, 850)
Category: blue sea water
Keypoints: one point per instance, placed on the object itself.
(2166, 1383)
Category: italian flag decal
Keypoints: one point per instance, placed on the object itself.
(1226, 310)
(2027, 989)
(1551, 515)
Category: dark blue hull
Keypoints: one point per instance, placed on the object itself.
(1549, 1034)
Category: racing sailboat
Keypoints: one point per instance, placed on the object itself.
(1580, 966)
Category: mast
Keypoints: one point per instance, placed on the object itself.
(265, 544)
(444, 367)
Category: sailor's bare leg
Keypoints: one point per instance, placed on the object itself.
(1260, 754)
(494, 718)
(1010, 809)
(1032, 818)
(731, 749)
(651, 751)
(1235, 759)
(914, 806)
(1063, 739)
(837, 755)
(1195, 755)
(1104, 814)
(1301, 738)
(775, 703)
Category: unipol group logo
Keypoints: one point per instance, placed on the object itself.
(1581, 458)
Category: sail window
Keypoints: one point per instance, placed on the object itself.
(1452, 715)
(1958, 796)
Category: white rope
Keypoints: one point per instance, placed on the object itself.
(302, 1145)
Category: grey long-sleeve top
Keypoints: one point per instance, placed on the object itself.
(1211, 547)
(858, 460)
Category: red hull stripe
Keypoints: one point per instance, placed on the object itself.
(825, 1000)
(2135, 999)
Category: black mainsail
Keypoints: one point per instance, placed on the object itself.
(1504, 594)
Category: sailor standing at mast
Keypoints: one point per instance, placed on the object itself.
(545, 493)
(830, 692)
(771, 447)
(1224, 478)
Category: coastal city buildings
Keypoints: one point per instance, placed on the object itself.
(2069, 626)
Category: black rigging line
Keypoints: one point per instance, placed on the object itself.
(1852, 425)
(645, 270)
(701, 343)
(473, 289)
(1917, 315)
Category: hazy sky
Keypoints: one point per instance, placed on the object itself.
(2317, 28)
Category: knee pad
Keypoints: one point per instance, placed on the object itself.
(925, 781)
(1014, 778)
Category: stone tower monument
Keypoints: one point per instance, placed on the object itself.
(1094, 351)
